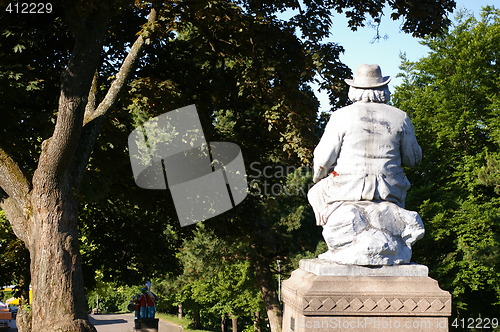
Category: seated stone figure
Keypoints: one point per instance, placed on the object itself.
(361, 187)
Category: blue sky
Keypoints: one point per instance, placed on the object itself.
(360, 48)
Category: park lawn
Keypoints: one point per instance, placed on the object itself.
(184, 322)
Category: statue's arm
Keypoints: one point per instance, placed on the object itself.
(327, 150)
(411, 153)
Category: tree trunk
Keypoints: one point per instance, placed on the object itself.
(223, 324)
(44, 213)
(180, 312)
(269, 293)
(196, 318)
(59, 302)
(256, 321)
(234, 323)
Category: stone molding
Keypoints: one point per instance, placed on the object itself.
(371, 305)
(314, 295)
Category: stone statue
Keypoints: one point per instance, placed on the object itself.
(360, 188)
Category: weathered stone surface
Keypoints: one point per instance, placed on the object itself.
(364, 303)
(323, 267)
(371, 233)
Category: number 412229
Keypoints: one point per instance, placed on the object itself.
(29, 8)
(478, 323)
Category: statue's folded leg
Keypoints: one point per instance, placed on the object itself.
(370, 233)
(317, 200)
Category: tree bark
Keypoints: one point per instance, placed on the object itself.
(256, 321)
(223, 324)
(180, 312)
(59, 302)
(234, 323)
(269, 293)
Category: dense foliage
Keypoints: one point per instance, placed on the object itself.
(452, 96)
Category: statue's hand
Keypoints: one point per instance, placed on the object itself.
(319, 173)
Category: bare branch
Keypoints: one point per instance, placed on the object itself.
(122, 75)
(91, 100)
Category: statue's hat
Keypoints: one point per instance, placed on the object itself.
(368, 76)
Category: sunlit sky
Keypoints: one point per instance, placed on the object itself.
(360, 47)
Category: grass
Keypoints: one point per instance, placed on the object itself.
(184, 322)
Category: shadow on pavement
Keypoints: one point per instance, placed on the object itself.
(12, 326)
(125, 323)
(95, 321)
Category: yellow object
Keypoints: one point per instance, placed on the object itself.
(15, 301)
(12, 301)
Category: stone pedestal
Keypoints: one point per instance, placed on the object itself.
(325, 296)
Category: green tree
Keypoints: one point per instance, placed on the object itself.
(265, 106)
(125, 244)
(15, 260)
(110, 296)
(452, 97)
(215, 292)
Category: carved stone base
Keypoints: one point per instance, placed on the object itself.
(370, 302)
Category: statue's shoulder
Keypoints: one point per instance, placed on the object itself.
(394, 109)
(346, 110)
(389, 110)
(360, 109)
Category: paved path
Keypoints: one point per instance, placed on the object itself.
(125, 323)
(116, 323)
(13, 328)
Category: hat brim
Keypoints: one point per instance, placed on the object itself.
(353, 83)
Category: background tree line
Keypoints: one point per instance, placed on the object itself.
(452, 96)
(248, 72)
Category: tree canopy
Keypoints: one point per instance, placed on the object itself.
(452, 96)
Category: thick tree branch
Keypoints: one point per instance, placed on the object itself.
(12, 180)
(58, 153)
(18, 219)
(92, 98)
(16, 207)
(94, 116)
(121, 77)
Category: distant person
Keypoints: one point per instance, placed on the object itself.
(136, 302)
(147, 303)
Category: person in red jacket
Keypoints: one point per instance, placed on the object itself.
(147, 303)
(137, 305)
